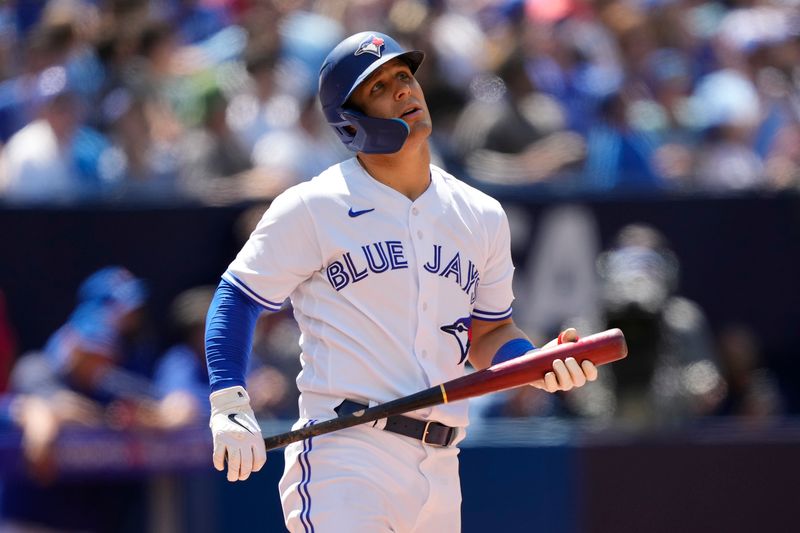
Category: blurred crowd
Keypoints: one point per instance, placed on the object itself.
(214, 100)
(104, 369)
(679, 371)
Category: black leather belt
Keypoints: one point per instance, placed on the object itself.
(428, 432)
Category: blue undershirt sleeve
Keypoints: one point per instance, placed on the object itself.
(229, 336)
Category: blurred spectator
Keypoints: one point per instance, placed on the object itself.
(619, 156)
(133, 166)
(155, 93)
(196, 20)
(82, 17)
(181, 377)
(53, 158)
(260, 109)
(513, 134)
(306, 37)
(104, 353)
(673, 374)
(92, 372)
(43, 48)
(772, 63)
(275, 365)
(212, 152)
(728, 108)
(751, 390)
(664, 112)
(105, 349)
(298, 151)
(574, 59)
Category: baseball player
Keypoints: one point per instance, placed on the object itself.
(398, 274)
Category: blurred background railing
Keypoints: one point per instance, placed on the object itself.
(719, 475)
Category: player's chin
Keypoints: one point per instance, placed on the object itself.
(420, 128)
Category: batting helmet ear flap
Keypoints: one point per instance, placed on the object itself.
(376, 135)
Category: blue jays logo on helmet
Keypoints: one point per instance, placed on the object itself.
(461, 329)
(371, 45)
(346, 67)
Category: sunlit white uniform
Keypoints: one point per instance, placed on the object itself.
(383, 290)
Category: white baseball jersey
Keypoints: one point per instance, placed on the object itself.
(383, 288)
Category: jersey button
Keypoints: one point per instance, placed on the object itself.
(419, 234)
(424, 354)
(414, 211)
(424, 306)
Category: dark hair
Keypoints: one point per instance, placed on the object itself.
(152, 34)
(258, 58)
(52, 38)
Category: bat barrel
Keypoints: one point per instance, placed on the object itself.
(600, 348)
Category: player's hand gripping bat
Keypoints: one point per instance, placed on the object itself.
(600, 348)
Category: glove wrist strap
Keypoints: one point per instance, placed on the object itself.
(229, 398)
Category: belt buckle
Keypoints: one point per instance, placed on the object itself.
(425, 436)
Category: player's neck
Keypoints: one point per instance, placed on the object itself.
(406, 171)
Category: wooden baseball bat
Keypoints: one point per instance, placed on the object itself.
(600, 348)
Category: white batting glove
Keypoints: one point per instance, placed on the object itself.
(567, 374)
(236, 434)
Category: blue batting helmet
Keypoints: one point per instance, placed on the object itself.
(343, 70)
(113, 284)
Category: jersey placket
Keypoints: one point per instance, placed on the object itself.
(420, 226)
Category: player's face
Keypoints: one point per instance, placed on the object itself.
(393, 92)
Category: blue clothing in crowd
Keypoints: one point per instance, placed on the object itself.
(182, 369)
(94, 328)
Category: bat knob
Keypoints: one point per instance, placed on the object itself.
(563, 334)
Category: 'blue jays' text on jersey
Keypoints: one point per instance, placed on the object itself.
(384, 289)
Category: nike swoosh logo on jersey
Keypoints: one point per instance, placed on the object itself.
(232, 418)
(354, 214)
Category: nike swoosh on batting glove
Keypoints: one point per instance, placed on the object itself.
(236, 434)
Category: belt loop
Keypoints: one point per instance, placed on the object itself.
(339, 408)
(451, 436)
